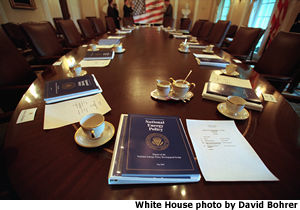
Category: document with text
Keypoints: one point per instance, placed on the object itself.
(224, 154)
(71, 111)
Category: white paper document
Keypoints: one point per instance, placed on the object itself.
(68, 112)
(269, 97)
(224, 154)
(26, 115)
(206, 56)
(115, 37)
(94, 63)
(215, 77)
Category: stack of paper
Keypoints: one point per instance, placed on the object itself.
(210, 60)
(224, 154)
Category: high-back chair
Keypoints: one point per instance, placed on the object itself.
(205, 30)
(16, 35)
(128, 21)
(70, 33)
(218, 33)
(185, 23)
(197, 27)
(244, 42)
(43, 39)
(86, 28)
(168, 22)
(16, 76)
(98, 26)
(110, 24)
(280, 63)
(57, 26)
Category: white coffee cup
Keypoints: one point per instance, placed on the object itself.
(93, 47)
(184, 46)
(119, 47)
(77, 70)
(163, 87)
(234, 104)
(180, 87)
(230, 68)
(93, 125)
(209, 48)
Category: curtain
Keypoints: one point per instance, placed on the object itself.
(248, 13)
(230, 10)
(215, 10)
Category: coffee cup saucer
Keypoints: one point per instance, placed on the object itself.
(119, 52)
(242, 115)
(187, 96)
(235, 73)
(82, 139)
(183, 51)
(156, 95)
(208, 52)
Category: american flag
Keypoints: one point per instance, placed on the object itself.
(148, 11)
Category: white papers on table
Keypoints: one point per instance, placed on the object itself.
(94, 63)
(216, 78)
(224, 154)
(68, 112)
(115, 37)
(181, 36)
(57, 63)
(105, 46)
(26, 115)
(237, 60)
(207, 56)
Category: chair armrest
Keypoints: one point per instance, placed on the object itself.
(250, 62)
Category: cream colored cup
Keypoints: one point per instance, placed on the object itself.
(77, 70)
(209, 48)
(93, 47)
(234, 104)
(180, 87)
(163, 87)
(93, 125)
(230, 68)
(119, 47)
(184, 46)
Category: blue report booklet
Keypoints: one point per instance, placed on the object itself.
(65, 89)
(152, 149)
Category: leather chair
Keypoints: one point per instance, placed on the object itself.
(205, 30)
(70, 33)
(128, 21)
(110, 24)
(218, 33)
(98, 26)
(168, 22)
(280, 63)
(44, 41)
(197, 27)
(185, 23)
(232, 30)
(57, 26)
(244, 42)
(16, 76)
(86, 29)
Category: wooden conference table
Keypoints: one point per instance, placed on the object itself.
(48, 164)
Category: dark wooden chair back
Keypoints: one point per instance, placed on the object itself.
(197, 27)
(86, 28)
(244, 41)
(218, 33)
(128, 21)
(16, 35)
(205, 30)
(70, 33)
(43, 38)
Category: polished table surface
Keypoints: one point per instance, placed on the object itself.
(48, 164)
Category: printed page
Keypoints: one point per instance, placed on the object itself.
(224, 154)
(94, 63)
(215, 77)
(206, 56)
(68, 112)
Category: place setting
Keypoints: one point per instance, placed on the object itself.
(233, 108)
(230, 70)
(209, 49)
(174, 89)
(94, 131)
(119, 49)
(184, 47)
